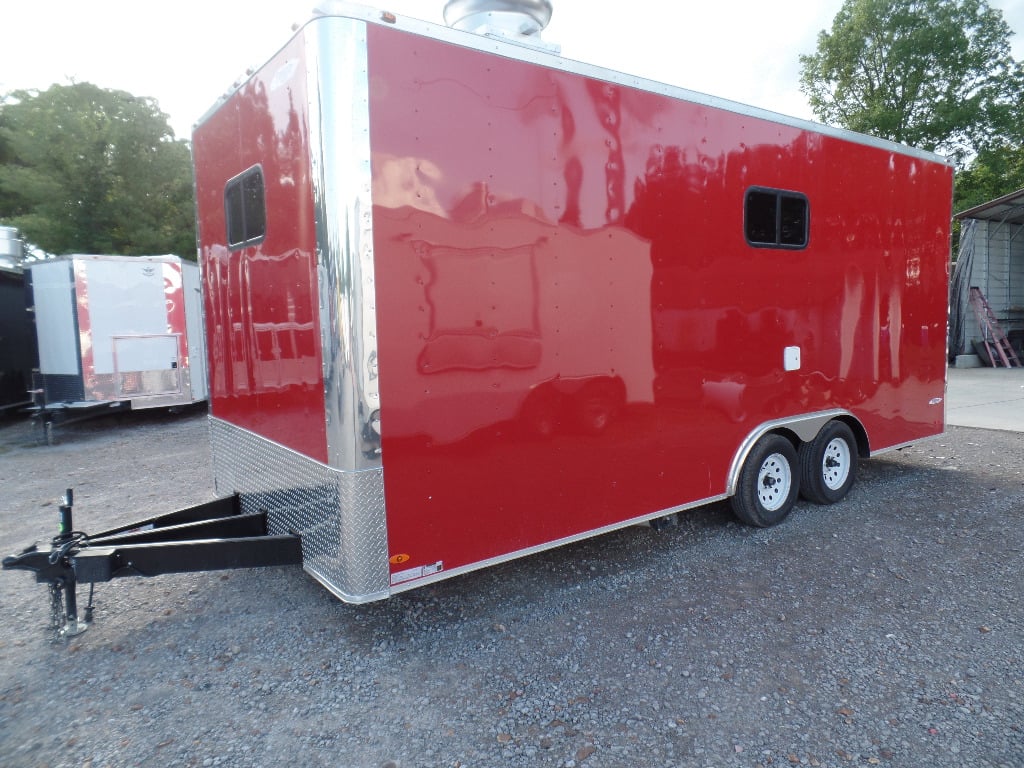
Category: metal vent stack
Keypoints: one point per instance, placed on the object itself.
(525, 18)
(12, 249)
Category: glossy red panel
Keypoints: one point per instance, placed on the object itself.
(84, 322)
(572, 328)
(174, 296)
(261, 300)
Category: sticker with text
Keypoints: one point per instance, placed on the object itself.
(416, 573)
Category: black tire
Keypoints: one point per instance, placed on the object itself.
(828, 464)
(769, 483)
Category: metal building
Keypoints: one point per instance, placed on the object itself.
(991, 258)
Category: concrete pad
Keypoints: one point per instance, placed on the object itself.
(967, 361)
(987, 398)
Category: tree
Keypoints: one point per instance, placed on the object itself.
(89, 170)
(934, 74)
(995, 172)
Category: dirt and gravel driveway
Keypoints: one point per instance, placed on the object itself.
(887, 630)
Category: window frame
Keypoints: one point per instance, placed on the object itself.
(779, 195)
(250, 235)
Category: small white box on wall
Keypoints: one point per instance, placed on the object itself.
(791, 358)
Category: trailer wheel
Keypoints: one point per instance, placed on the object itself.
(768, 483)
(828, 464)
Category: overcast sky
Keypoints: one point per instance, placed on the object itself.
(187, 52)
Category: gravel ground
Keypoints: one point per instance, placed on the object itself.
(886, 630)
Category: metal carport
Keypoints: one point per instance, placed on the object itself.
(991, 257)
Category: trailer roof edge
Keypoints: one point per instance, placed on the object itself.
(113, 257)
(508, 48)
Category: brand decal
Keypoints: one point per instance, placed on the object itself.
(417, 573)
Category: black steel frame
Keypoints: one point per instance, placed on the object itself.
(213, 536)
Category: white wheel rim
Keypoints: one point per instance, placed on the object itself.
(835, 464)
(774, 480)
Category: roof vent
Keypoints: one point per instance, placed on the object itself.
(12, 249)
(511, 19)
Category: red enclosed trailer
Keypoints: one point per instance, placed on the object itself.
(468, 300)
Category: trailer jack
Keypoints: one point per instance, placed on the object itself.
(213, 536)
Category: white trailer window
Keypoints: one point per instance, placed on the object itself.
(773, 218)
(245, 210)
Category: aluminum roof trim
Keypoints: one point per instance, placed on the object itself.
(511, 50)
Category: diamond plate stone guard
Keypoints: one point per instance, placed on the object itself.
(340, 515)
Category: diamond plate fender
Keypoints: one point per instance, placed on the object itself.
(339, 514)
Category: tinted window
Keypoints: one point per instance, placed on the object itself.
(775, 219)
(245, 211)
(761, 216)
(792, 220)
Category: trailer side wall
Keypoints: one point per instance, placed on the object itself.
(535, 227)
(261, 298)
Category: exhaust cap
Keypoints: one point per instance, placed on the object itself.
(517, 17)
(12, 249)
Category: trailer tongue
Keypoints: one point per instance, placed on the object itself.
(213, 536)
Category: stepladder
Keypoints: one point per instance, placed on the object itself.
(1000, 352)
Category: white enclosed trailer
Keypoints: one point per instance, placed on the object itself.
(124, 331)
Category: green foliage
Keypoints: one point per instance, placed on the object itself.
(89, 170)
(995, 172)
(934, 74)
